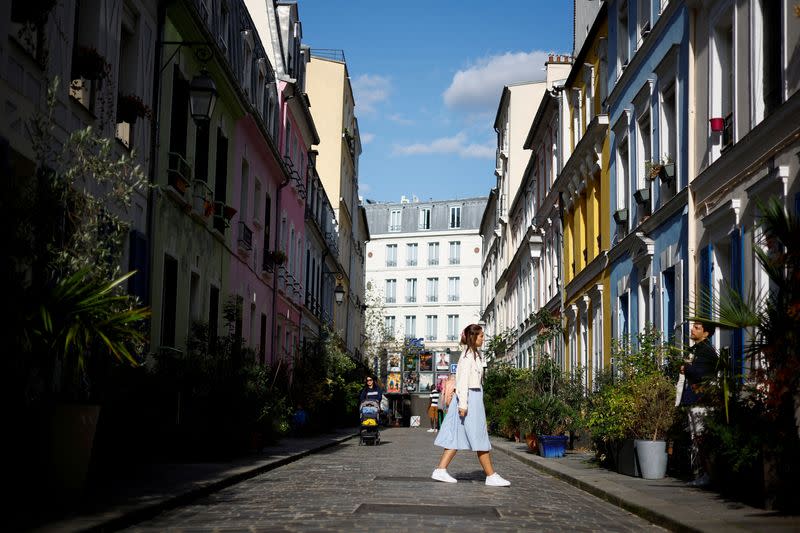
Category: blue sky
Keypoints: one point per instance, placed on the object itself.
(427, 78)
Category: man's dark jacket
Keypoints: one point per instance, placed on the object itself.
(702, 368)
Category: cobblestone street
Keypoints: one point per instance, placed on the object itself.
(387, 487)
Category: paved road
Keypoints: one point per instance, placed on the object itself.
(387, 487)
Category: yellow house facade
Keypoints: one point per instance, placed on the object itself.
(584, 199)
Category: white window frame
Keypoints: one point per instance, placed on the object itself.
(391, 290)
(455, 252)
(424, 222)
(395, 220)
(411, 254)
(391, 255)
(432, 291)
(431, 327)
(454, 220)
(433, 258)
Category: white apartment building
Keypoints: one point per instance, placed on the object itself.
(423, 261)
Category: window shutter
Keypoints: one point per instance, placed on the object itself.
(705, 292)
(680, 317)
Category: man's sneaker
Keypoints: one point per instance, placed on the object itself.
(440, 474)
(496, 481)
(431, 430)
(702, 481)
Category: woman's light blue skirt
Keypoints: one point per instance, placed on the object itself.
(468, 433)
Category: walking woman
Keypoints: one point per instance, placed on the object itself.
(464, 426)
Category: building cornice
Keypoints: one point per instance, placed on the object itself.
(585, 160)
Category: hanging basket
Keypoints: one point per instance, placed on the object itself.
(89, 64)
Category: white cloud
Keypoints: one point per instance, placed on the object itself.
(367, 138)
(456, 145)
(399, 119)
(478, 87)
(369, 90)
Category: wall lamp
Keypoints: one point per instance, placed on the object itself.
(202, 89)
(338, 292)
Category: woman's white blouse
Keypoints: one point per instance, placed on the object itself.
(469, 375)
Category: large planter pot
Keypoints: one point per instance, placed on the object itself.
(652, 458)
(72, 430)
(626, 458)
(553, 445)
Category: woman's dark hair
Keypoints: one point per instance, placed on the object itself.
(469, 336)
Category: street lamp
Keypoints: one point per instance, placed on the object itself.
(202, 98)
(338, 293)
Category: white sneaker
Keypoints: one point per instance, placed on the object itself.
(431, 430)
(496, 481)
(440, 474)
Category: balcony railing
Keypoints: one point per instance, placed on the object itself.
(411, 299)
(391, 299)
(430, 337)
(411, 262)
(455, 260)
(452, 297)
(245, 237)
(451, 337)
(391, 263)
(433, 261)
(433, 298)
(394, 227)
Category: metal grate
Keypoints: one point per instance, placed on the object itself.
(427, 510)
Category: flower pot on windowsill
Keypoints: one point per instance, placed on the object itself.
(130, 107)
(642, 195)
(668, 173)
(89, 64)
(228, 212)
(717, 124)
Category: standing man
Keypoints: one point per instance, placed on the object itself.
(433, 410)
(700, 367)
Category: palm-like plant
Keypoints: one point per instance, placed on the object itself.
(83, 315)
(773, 321)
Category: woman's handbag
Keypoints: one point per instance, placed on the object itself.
(679, 389)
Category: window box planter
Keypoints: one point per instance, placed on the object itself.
(130, 107)
(89, 64)
(642, 196)
(668, 174)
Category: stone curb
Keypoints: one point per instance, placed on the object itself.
(149, 510)
(655, 517)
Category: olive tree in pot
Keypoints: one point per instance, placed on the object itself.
(654, 411)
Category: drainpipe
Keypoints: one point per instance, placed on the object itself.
(154, 144)
(691, 229)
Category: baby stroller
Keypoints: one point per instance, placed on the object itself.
(369, 411)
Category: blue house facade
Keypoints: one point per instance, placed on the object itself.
(648, 97)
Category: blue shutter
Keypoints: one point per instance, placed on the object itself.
(737, 284)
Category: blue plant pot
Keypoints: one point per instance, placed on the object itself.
(553, 445)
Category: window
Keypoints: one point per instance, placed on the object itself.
(643, 149)
(424, 218)
(767, 83)
(645, 304)
(394, 220)
(169, 305)
(245, 192)
(455, 252)
(623, 181)
(411, 254)
(453, 289)
(391, 291)
(597, 344)
(623, 38)
(431, 325)
(722, 81)
(257, 201)
(452, 327)
(411, 326)
(642, 18)
(668, 136)
(432, 292)
(391, 255)
(411, 290)
(388, 327)
(433, 253)
(455, 217)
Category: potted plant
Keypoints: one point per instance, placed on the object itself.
(654, 409)
(652, 168)
(89, 64)
(130, 107)
(278, 257)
